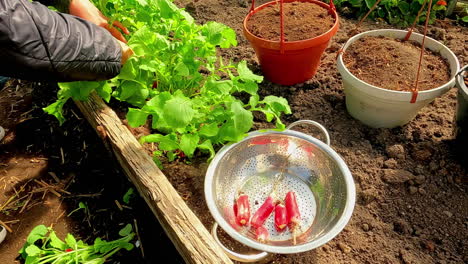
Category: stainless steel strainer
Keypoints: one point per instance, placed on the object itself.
(290, 161)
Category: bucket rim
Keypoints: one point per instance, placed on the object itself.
(461, 82)
(291, 45)
(422, 95)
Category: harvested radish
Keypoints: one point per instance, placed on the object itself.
(292, 212)
(261, 234)
(230, 216)
(243, 209)
(263, 212)
(235, 209)
(265, 141)
(280, 217)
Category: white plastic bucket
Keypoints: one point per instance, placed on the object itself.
(462, 110)
(378, 107)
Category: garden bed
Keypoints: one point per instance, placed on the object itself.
(411, 187)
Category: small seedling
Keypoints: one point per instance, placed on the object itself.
(81, 205)
(129, 194)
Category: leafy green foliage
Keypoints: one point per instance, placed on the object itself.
(460, 11)
(43, 246)
(396, 12)
(81, 206)
(176, 80)
(128, 195)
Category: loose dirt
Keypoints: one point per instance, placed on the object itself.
(302, 20)
(411, 186)
(393, 64)
(72, 158)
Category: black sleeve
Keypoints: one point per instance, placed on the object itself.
(39, 44)
(60, 5)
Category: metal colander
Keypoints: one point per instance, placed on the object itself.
(286, 161)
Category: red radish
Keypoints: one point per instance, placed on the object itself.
(265, 141)
(280, 217)
(292, 212)
(261, 141)
(309, 150)
(180, 153)
(261, 234)
(263, 212)
(230, 216)
(235, 209)
(243, 209)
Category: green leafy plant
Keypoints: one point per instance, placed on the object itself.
(178, 82)
(396, 12)
(43, 246)
(81, 205)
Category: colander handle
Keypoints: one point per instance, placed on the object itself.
(3, 233)
(315, 124)
(234, 255)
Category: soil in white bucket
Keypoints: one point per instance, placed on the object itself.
(379, 71)
(392, 64)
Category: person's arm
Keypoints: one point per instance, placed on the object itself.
(61, 5)
(39, 44)
(86, 10)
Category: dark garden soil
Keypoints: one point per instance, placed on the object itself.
(393, 64)
(411, 185)
(302, 20)
(75, 163)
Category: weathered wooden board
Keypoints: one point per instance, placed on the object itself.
(191, 238)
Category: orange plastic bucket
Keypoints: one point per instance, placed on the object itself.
(290, 62)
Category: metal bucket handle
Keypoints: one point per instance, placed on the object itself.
(3, 233)
(234, 255)
(2, 133)
(313, 123)
(460, 72)
(257, 257)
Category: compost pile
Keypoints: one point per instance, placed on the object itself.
(411, 186)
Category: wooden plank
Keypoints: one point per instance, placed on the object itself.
(191, 238)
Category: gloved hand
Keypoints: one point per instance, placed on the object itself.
(86, 10)
(127, 52)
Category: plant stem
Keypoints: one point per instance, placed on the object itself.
(111, 253)
(46, 259)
